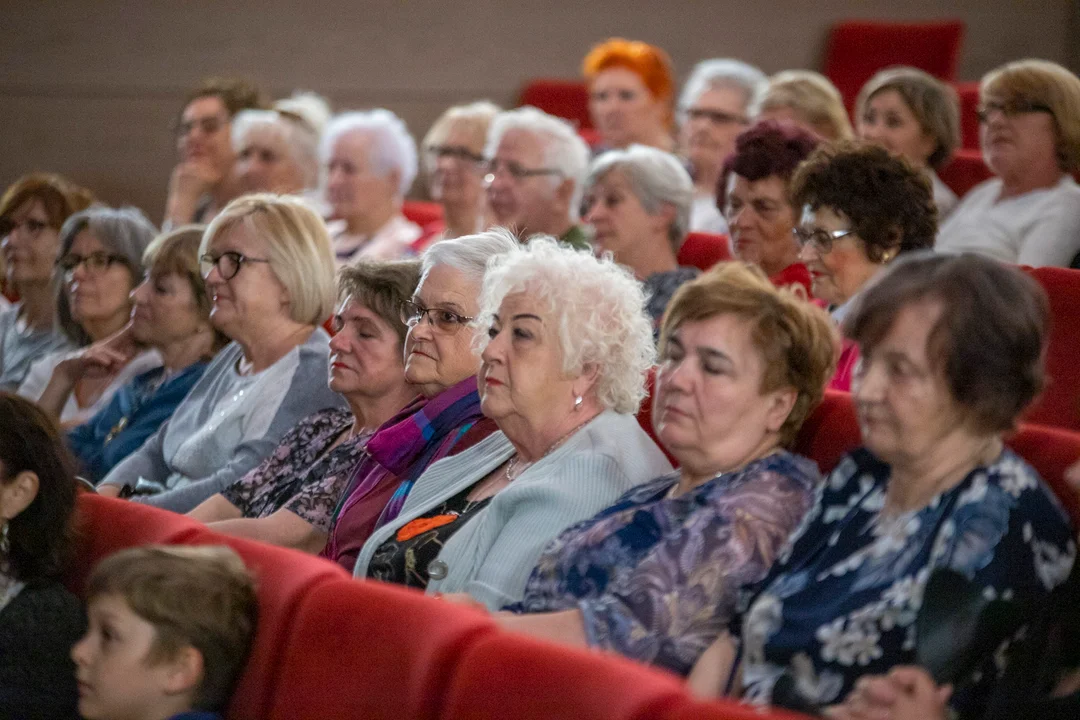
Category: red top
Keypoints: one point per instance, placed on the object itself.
(794, 274)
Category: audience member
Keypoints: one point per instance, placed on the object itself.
(915, 116)
(204, 180)
(861, 208)
(755, 192)
(290, 497)
(806, 98)
(369, 161)
(171, 315)
(1030, 134)
(277, 150)
(713, 109)
(441, 364)
(638, 203)
(568, 345)
(454, 162)
(101, 263)
(268, 265)
(631, 89)
(39, 619)
(535, 166)
(32, 211)
(170, 631)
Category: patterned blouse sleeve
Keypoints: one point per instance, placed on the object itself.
(242, 492)
(682, 595)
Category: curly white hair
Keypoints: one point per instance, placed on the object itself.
(597, 306)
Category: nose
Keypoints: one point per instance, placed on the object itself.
(494, 351)
(138, 294)
(595, 212)
(738, 217)
(79, 650)
(674, 376)
(423, 329)
(869, 381)
(339, 342)
(809, 253)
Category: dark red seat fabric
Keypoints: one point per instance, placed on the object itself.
(424, 214)
(857, 49)
(563, 98)
(1059, 403)
(644, 414)
(830, 432)
(370, 650)
(703, 250)
(513, 676)
(968, 94)
(1051, 451)
(964, 171)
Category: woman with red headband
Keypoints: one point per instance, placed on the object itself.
(630, 94)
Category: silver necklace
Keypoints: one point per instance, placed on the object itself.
(515, 467)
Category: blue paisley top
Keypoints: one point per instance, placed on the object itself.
(656, 578)
(842, 600)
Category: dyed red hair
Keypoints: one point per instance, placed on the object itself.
(648, 62)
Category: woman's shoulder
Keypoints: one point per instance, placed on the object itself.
(45, 603)
(1020, 485)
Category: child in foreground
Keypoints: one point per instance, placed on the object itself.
(169, 633)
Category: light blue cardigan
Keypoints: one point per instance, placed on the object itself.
(493, 554)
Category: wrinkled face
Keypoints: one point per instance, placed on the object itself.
(522, 372)
(889, 122)
(902, 400)
(97, 294)
(622, 225)
(456, 176)
(761, 220)
(520, 196)
(365, 353)
(1013, 141)
(31, 245)
(264, 164)
(254, 294)
(709, 410)
(116, 682)
(839, 273)
(437, 358)
(354, 188)
(205, 133)
(165, 311)
(622, 108)
(712, 123)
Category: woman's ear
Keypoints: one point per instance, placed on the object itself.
(17, 494)
(586, 381)
(780, 404)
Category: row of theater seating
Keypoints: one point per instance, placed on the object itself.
(330, 647)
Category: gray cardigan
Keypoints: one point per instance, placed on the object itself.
(493, 554)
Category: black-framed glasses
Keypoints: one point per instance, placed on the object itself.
(95, 262)
(227, 264)
(447, 321)
(1012, 108)
(453, 152)
(716, 117)
(821, 239)
(493, 167)
(31, 226)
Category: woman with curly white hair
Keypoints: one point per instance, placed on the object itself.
(564, 351)
(277, 150)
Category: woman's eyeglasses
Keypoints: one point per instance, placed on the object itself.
(447, 321)
(821, 239)
(95, 262)
(453, 152)
(1012, 108)
(227, 264)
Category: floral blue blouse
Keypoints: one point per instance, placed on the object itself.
(656, 578)
(842, 600)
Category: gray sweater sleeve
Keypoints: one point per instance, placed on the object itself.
(147, 462)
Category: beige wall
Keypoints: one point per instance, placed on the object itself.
(90, 88)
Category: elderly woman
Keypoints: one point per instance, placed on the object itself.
(39, 619)
(204, 180)
(742, 365)
(369, 160)
(756, 197)
(805, 98)
(861, 208)
(913, 115)
(267, 263)
(441, 365)
(277, 150)
(631, 89)
(1030, 134)
(454, 161)
(101, 263)
(713, 109)
(567, 347)
(171, 315)
(951, 355)
(290, 497)
(638, 202)
(32, 211)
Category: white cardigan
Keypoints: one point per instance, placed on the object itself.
(493, 554)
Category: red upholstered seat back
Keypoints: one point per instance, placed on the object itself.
(703, 250)
(858, 49)
(424, 214)
(964, 171)
(644, 414)
(563, 98)
(968, 94)
(1059, 404)
(830, 432)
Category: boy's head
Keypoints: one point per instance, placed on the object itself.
(170, 628)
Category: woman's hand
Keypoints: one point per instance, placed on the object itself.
(190, 180)
(102, 359)
(109, 490)
(906, 693)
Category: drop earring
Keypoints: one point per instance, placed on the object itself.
(577, 402)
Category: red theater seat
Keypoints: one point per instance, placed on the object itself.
(968, 93)
(830, 432)
(964, 171)
(691, 709)
(424, 214)
(703, 250)
(563, 98)
(1059, 404)
(644, 414)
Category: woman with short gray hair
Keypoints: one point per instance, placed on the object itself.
(638, 202)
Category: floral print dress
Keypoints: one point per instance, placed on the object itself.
(842, 600)
(656, 577)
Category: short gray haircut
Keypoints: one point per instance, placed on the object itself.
(125, 232)
(656, 178)
(468, 254)
(298, 122)
(393, 148)
(721, 73)
(597, 307)
(564, 150)
(474, 118)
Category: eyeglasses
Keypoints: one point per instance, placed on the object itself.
(446, 321)
(207, 125)
(227, 264)
(716, 117)
(1011, 108)
(514, 170)
(821, 239)
(30, 226)
(453, 152)
(95, 262)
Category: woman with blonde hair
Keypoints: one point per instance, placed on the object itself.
(631, 91)
(806, 98)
